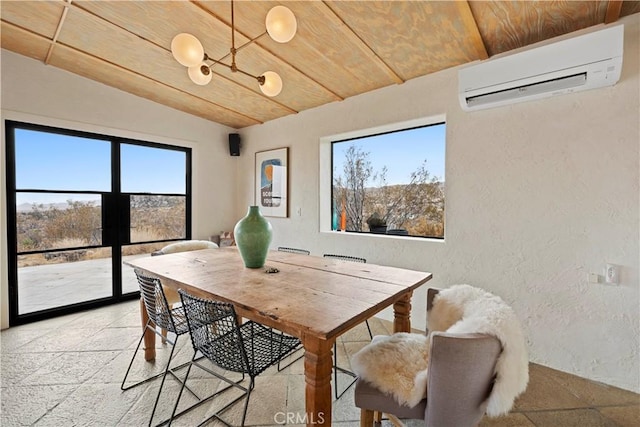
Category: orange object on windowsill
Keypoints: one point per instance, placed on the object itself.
(343, 219)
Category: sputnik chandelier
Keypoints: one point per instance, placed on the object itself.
(187, 50)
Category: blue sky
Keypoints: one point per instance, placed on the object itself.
(47, 161)
(402, 152)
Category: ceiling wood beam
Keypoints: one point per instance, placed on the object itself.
(472, 27)
(58, 29)
(613, 11)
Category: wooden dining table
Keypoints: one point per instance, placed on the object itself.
(315, 299)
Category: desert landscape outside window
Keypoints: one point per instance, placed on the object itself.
(390, 183)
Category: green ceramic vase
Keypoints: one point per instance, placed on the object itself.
(253, 235)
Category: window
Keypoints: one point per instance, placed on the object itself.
(79, 204)
(389, 181)
(158, 210)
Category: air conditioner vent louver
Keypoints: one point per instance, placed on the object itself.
(580, 63)
(552, 85)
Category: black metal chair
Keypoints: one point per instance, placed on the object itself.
(294, 250)
(345, 258)
(337, 368)
(248, 348)
(175, 247)
(160, 316)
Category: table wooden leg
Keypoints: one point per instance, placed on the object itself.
(402, 314)
(149, 336)
(317, 372)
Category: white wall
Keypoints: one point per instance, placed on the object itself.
(35, 93)
(538, 194)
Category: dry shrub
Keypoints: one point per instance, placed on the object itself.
(67, 242)
(31, 260)
(146, 234)
(146, 248)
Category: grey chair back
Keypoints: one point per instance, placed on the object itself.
(460, 379)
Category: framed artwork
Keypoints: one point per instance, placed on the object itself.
(272, 183)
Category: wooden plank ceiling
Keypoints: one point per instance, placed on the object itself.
(341, 49)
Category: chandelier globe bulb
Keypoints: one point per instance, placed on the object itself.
(200, 74)
(272, 85)
(187, 50)
(281, 24)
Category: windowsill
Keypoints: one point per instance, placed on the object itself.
(383, 236)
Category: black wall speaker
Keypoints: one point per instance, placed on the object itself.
(234, 144)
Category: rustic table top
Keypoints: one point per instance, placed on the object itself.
(308, 295)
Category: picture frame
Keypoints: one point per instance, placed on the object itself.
(272, 182)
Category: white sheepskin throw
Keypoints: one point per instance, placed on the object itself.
(395, 365)
(466, 309)
(189, 245)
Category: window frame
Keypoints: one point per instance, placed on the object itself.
(10, 125)
(326, 172)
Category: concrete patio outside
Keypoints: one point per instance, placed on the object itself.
(54, 285)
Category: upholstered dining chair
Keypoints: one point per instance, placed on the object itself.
(337, 368)
(247, 348)
(476, 364)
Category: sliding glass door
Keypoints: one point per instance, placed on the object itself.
(78, 204)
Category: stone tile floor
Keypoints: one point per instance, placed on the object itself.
(67, 372)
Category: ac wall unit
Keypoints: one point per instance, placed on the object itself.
(584, 62)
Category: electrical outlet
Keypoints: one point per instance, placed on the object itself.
(611, 274)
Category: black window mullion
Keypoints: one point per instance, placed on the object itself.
(116, 235)
(11, 237)
(188, 194)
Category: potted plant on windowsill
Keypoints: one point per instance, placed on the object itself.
(376, 224)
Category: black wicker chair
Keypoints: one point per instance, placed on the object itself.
(294, 250)
(337, 368)
(345, 258)
(164, 317)
(248, 348)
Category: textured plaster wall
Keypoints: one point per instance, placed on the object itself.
(35, 93)
(538, 195)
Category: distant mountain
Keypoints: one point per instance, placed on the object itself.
(137, 202)
(28, 207)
